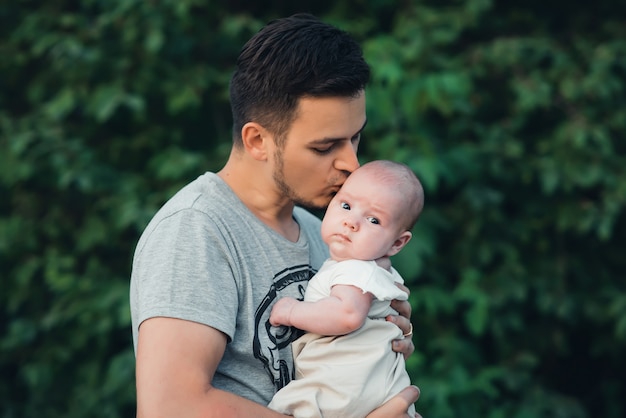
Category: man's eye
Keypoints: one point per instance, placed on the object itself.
(323, 150)
(373, 220)
(345, 206)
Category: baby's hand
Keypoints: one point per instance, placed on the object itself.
(281, 311)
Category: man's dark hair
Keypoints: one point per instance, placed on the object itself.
(290, 58)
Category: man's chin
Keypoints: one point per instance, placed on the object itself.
(316, 208)
(311, 206)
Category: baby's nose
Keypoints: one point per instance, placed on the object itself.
(351, 223)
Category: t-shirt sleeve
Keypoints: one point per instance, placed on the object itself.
(183, 271)
(367, 276)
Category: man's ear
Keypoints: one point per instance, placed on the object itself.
(255, 140)
(400, 242)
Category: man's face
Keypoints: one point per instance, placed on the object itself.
(320, 149)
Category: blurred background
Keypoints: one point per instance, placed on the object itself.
(512, 113)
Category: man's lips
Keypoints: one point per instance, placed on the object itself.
(334, 190)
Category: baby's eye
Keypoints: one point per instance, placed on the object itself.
(345, 206)
(373, 220)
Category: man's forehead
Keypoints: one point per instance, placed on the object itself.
(345, 110)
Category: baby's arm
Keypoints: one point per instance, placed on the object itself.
(344, 311)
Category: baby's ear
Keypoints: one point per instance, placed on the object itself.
(399, 243)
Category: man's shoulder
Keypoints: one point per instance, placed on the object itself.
(204, 194)
(200, 202)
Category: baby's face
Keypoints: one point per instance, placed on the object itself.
(362, 219)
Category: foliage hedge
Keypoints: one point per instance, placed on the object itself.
(512, 113)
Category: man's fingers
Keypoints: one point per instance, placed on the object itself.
(411, 394)
(403, 307)
(406, 397)
(405, 346)
(401, 402)
(403, 288)
(402, 322)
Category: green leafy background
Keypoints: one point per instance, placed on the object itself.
(513, 114)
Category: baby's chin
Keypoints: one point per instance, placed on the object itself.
(339, 255)
(344, 256)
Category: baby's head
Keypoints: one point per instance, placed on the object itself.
(398, 178)
(373, 213)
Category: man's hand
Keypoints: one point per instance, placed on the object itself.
(398, 405)
(403, 321)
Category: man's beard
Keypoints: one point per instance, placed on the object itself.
(286, 190)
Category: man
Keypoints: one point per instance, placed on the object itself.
(213, 260)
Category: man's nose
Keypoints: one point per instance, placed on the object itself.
(347, 160)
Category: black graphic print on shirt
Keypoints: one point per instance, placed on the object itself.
(270, 341)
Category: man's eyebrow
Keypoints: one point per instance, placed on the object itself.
(329, 140)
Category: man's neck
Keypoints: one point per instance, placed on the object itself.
(258, 193)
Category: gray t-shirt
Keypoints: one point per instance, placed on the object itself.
(206, 258)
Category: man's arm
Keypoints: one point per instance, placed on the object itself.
(176, 361)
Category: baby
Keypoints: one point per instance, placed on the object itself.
(344, 364)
